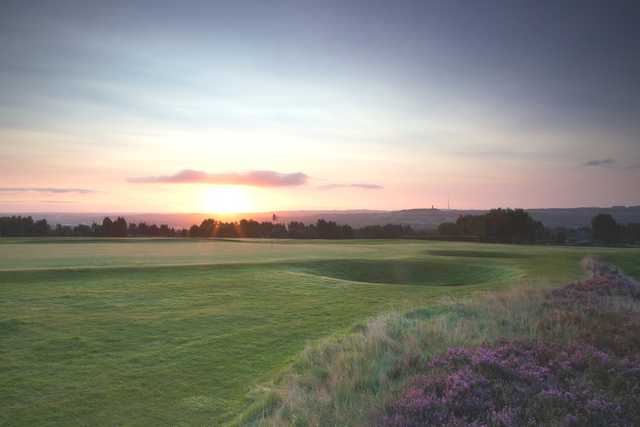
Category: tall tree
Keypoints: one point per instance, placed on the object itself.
(119, 228)
(605, 228)
(107, 226)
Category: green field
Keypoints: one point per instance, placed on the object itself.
(177, 332)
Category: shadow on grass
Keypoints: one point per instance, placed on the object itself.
(406, 272)
(477, 254)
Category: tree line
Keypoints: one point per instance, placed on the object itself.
(607, 230)
(517, 226)
(19, 226)
(496, 226)
(25, 226)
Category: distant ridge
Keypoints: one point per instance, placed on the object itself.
(419, 218)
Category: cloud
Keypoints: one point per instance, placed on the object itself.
(362, 186)
(612, 163)
(260, 178)
(50, 190)
(600, 162)
(39, 201)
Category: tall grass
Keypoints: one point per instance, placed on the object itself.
(347, 380)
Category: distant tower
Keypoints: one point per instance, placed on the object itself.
(448, 202)
(274, 218)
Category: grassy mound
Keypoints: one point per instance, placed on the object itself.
(530, 357)
(433, 272)
(483, 253)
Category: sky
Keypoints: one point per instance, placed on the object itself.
(154, 106)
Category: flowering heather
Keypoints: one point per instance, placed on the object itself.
(605, 281)
(594, 381)
(519, 383)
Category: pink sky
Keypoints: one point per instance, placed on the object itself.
(331, 106)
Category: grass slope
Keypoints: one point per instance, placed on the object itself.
(567, 356)
(139, 331)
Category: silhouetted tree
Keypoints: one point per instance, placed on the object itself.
(119, 228)
(107, 226)
(82, 230)
(605, 228)
(298, 230)
(502, 225)
(632, 232)
(16, 226)
(448, 229)
(226, 229)
(251, 228)
(279, 231)
(41, 228)
(207, 228)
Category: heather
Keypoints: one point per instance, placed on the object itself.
(564, 356)
(604, 280)
(521, 383)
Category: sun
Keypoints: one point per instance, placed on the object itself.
(226, 199)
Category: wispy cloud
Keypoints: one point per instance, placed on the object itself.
(50, 190)
(261, 178)
(360, 185)
(600, 162)
(39, 201)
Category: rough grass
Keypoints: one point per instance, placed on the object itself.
(178, 332)
(380, 373)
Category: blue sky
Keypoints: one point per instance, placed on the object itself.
(378, 104)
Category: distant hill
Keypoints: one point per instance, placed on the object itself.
(417, 218)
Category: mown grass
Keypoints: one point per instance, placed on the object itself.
(178, 332)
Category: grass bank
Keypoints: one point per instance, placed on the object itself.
(563, 357)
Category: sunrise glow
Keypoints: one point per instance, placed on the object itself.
(226, 199)
(229, 106)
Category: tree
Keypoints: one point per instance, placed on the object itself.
(605, 228)
(279, 231)
(632, 232)
(207, 228)
(448, 229)
(347, 232)
(107, 226)
(502, 225)
(119, 228)
(82, 230)
(21, 226)
(41, 228)
(226, 229)
(251, 228)
(473, 225)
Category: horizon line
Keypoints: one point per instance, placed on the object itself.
(269, 212)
